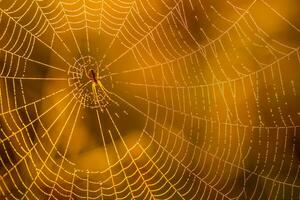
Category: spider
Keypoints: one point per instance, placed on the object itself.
(96, 83)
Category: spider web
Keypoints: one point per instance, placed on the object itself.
(193, 99)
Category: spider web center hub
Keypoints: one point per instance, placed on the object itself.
(90, 84)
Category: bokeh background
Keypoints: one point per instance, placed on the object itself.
(195, 99)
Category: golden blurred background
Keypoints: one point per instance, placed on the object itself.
(149, 99)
